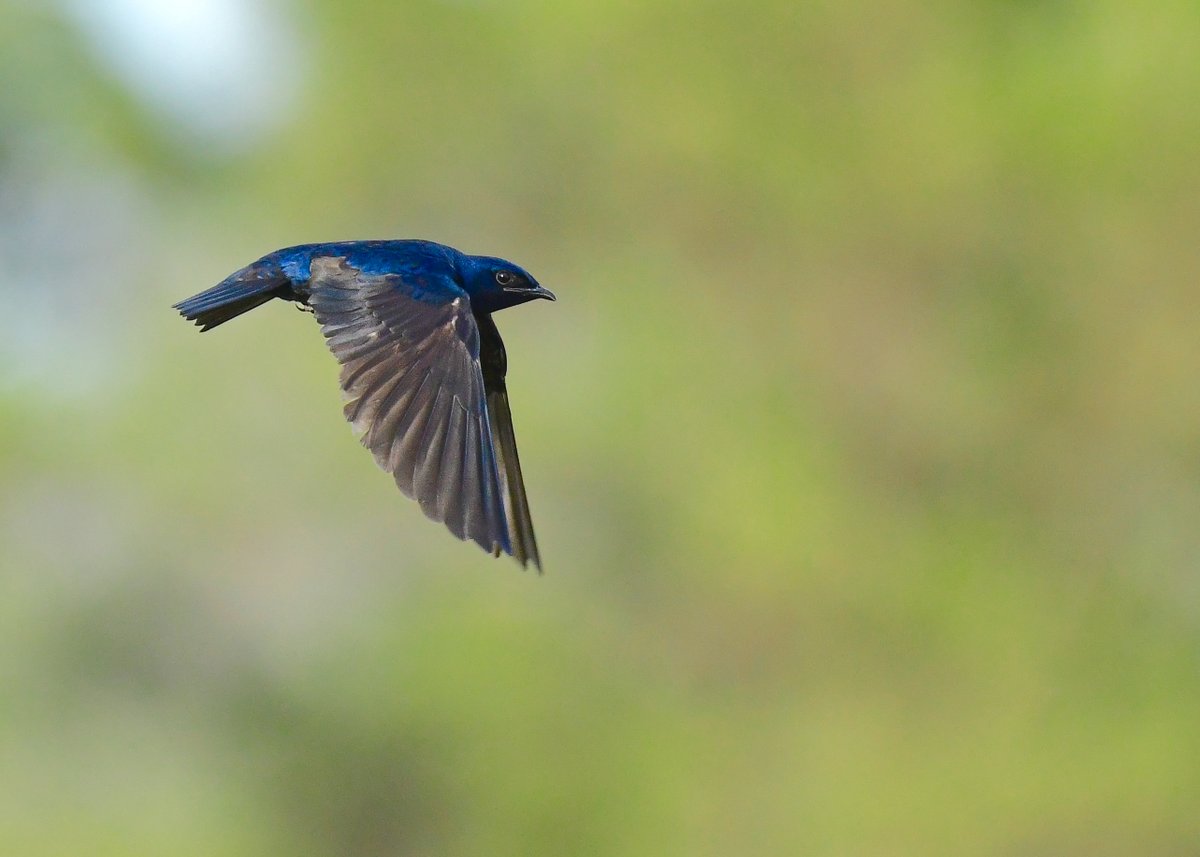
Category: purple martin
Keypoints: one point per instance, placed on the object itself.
(422, 368)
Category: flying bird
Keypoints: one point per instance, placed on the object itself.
(422, 368)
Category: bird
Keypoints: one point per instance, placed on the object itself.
(422, 368)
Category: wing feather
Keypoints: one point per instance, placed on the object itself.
(450, 483)
(511, 482)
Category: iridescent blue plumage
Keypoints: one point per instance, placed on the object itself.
(423, 367)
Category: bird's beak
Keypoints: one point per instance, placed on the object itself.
(537, 292)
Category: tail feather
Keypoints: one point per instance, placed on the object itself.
(242, 291)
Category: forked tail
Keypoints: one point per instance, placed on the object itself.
(238, 293)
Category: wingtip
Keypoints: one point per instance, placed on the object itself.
(523, 560)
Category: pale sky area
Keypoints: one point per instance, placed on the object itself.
(221, 75)
(226, 71)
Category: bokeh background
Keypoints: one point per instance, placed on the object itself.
(862, 441)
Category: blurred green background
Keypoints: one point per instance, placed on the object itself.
(862, 441)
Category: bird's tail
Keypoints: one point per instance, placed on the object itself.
(238, 293)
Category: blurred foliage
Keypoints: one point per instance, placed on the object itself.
(862, 441)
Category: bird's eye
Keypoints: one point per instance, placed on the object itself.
(504, 277)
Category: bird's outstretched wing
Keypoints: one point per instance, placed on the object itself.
(409, 346)
(494, 364)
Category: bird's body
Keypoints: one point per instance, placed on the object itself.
(423, 367)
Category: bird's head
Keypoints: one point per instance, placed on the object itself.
(495, 284)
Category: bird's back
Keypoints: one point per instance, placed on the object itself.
(402, 256)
